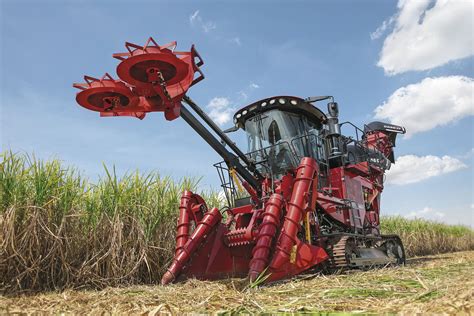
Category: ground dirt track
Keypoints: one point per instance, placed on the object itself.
(441, 284)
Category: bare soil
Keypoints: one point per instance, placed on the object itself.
(442, 284)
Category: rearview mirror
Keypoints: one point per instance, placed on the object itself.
(317, 98)
(232, 129)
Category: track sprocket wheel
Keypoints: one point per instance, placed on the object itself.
(343, 251)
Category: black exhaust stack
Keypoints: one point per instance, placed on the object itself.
(334, 129)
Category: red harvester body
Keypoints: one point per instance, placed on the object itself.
(305, 196)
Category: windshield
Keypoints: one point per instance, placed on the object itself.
(280, 138)
(272, 127)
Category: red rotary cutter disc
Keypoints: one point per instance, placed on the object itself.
(155, 79)
(140, 69)
(105, 94)
(140, 65)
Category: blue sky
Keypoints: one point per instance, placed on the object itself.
(410, 60)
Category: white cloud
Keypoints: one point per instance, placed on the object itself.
(254, 85)
(208, 26)
(467, 155)
(220, 110)
(426, 213)
(193, 16)
(243, 95)
(382, 28)
(411, 169)
(430, 103)
(236, 40)
(195, 19)
(426, 36)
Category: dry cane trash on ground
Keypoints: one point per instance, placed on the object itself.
(441, 284)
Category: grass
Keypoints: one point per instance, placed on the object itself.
(424, 237)
(441, 284)
(59, 230)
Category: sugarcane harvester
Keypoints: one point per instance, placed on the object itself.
(303, 197)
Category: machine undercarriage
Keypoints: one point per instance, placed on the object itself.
(304, 196)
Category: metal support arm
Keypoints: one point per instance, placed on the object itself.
(223, 136)
(231, 159)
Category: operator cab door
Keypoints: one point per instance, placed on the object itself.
(278, 140)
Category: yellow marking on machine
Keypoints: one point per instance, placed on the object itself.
(236, 180)
(307, 228)
(293, 254)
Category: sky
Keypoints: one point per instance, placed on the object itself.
(405, 62)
